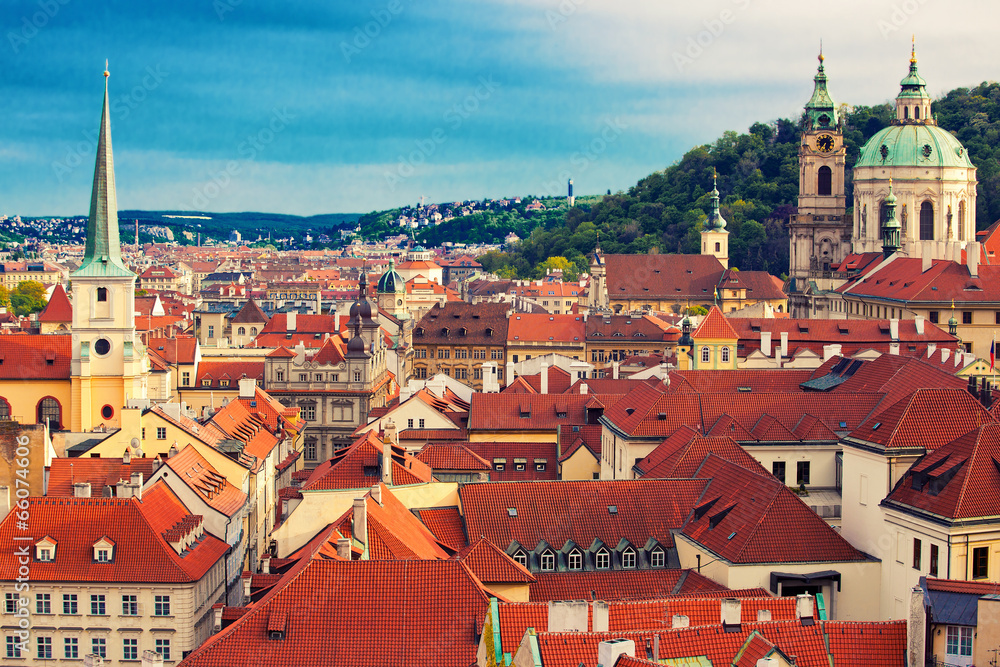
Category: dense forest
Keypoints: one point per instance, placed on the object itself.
(758, 181)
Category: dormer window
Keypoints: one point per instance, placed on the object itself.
(45, 550)
(657, 557)
(628, 559)
(104, 550)
(548, 561)
(521, 558)
(602, 561)
(575, 560)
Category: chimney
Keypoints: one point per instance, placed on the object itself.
(972, 258)
(545, 377)
(136, 484)
(290, 320)
(828, 352)
(510, 372)
(127, 456)
(81, 490)
(784, 344)
(926, 262)
(93, 660)
(344, 548)
(568, 616)
(918, 322)
(804, 607)
(583, 388)
(680, 621)
(765, 343)
(361, 521)
(894, 329)
(173, 450)
(608, 652)
(599, 613)
(386, 464)
(614, 370)
(336, 319)
(123, 489)
(377, 493)
(391, 432)
(247, 579)
(217, 610)
(916, 629)
(763, 615)
(931, 349)
(731, 611)
(248, 388)
(945, 352)
(894, 348)
(770, 662)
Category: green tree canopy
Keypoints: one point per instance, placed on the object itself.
(28, 297)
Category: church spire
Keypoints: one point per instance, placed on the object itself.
(102, 254)
(820, 108)
(891, 227)
(913, 104)
(715, 220)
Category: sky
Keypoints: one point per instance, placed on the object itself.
(325, 106)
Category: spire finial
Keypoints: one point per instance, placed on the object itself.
(913, 50)
(821, 58)
(106, 72)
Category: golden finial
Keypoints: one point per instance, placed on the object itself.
(913, 50)
(106, 73)
(821, 52)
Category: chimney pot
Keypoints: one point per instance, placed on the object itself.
(361, 521)
(344, 548)
(81, 490)
(765, 343)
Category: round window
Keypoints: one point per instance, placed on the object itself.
(102, 346)
(107, 412)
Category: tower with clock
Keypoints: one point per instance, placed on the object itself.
(820, 233)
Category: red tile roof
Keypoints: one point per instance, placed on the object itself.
(452, 456)
(619, 585)
(959, 586)
(681, 456)
(35, 356)
(178, 350)
(446, 524)
(560, 511)
(543, 327)
(58, 309)
(959, 480)
(415, 613)
(925, 419)
(492, 565)
(526, 412)
(139, 531)
(747, 517)
(754, 380)
(217, 372)
(680, 277)
(359, 466)
(98, 472)
(394, 533)
(715, 326)
(213, 488)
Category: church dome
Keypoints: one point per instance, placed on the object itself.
(914, 145)
(391, 283)
(356, 344)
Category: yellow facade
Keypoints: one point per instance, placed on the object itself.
(581, 465)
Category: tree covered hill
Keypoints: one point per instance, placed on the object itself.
(758, 178)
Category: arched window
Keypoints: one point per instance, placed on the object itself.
(102, 293)
(706, 355)
(883, 215)
(575, 560)
(824, 179)
(521, 558)
(242, 331)
(718, 247)
(961, 220)
(602, 561)
(253, 331)
(50, 412)
(927, 221)
(916, 112)
(657, 557)
(628, 558)
(548, 561)
(906, 113)
(725, 355)
(4, 409)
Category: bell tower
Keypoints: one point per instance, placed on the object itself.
(109, 364)
(820, 232)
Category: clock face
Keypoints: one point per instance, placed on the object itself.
(824, 143)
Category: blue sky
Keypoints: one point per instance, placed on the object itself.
(316, 106)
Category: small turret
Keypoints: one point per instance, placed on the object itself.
(890, 228)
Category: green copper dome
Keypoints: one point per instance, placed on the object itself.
(913, 145)
(821, 108)
(391, 282)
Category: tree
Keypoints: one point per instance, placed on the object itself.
(4, 297)
(28, 297)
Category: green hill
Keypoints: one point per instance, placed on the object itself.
(758, 181)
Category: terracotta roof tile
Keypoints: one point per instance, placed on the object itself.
(38, 356)
(58, 309)
(98, 472)
(359, 467)
(715, 326)
(452, 456)
(446, 524)
(492, 565)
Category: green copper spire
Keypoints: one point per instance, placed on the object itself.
(891, 227)
(715, 220)
(102, 255)
(821, 109)
(913, 85)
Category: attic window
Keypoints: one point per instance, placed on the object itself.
(511, 511)
(717, 518)
(662, 416)
(744, 389)
(876, 425)
(612, 509)
(629, 411)
(843, 424)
